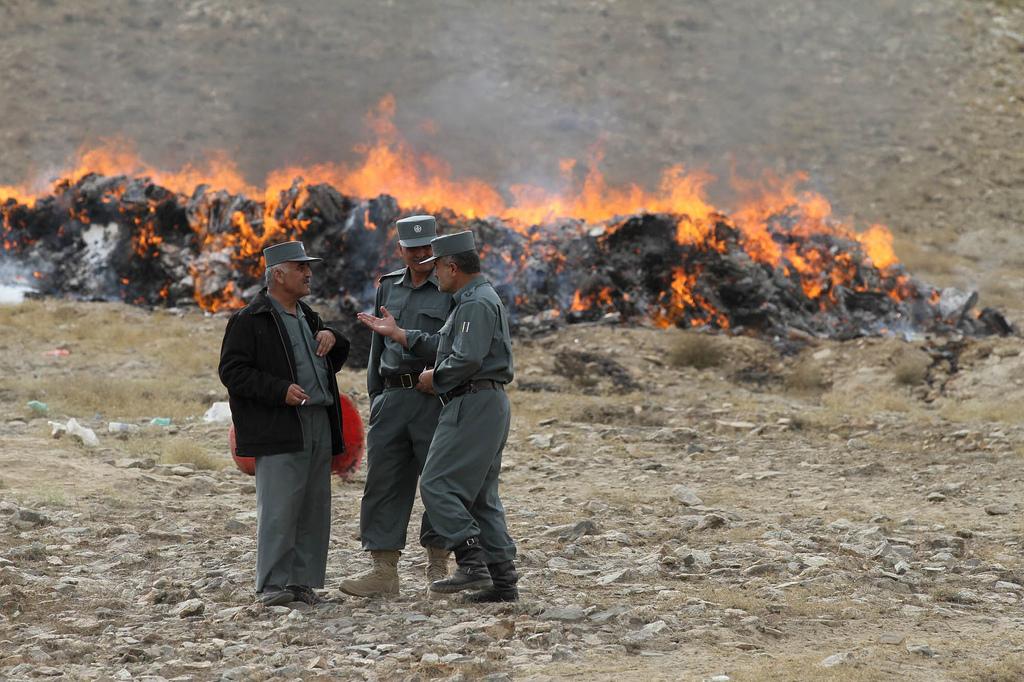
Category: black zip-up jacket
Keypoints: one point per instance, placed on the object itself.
(257, 366)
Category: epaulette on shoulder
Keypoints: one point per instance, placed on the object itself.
(396, 273)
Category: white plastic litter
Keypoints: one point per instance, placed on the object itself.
(122, 427)
(87, 436)
(218, 413)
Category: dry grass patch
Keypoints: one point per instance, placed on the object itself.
(796, 668)
(181, 451)
(1002, 411)
(697, 350)
(47, 496)
(1009, 669)
(911, 367)
(111, 396)
(807, 376)
(868, 403)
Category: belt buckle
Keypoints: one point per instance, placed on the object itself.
(409, 377)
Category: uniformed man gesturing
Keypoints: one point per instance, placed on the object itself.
(473, 362)
(403, 416)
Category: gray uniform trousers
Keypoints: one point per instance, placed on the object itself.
(293, 508)
(459, 485)
(402, 423)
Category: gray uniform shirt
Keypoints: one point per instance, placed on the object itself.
(474, 343)
(424, 307)
(310, 370)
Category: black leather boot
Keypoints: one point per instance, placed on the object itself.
(471, 573)
(503, 578)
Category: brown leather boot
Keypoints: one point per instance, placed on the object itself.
(437, 564)
(380, 581)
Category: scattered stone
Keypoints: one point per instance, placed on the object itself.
(836, 659)
(893, 638)
(936, 497)
(542, 441)
(738, 425)
(31, 517)
(191, 607)
(920, 650)
(710, 521)
(568, 614)
(686, 496)
(625, 575)
(131, 463)
(998, 510)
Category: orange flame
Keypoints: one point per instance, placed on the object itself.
(390, 165)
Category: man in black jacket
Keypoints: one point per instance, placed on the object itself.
(278, 362)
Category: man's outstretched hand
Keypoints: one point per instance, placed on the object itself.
(385, 325)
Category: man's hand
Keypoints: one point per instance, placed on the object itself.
(325, 342)
(295, 395)
(384, 325)
(426, 382)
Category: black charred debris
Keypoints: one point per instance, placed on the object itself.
(119, 238)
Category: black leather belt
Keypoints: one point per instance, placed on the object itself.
(401, 380)
(470, 387)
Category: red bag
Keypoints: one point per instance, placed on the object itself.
(343, 465)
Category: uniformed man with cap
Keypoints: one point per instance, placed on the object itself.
(473, 362)
(278, 362)
(403, 416)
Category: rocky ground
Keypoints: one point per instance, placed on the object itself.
(848, 512)
(845, 511)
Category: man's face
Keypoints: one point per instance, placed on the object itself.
(294, 278)
(446, 271)
(412, 255)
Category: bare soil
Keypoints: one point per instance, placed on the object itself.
(856, 516)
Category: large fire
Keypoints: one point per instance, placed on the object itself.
(778, 224)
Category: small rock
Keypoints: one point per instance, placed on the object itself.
(686, 496)
(709, 521)
(625, 575)
(936, 497)
(32, 517)
(920, 650)
(893, 638)
(997, 510)
(131, 463)
(542, 441)
(191, 607)
(568, 614)
(836, 659)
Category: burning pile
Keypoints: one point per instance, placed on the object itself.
(779, 265)
(117, 237)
